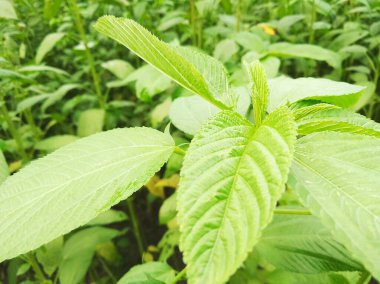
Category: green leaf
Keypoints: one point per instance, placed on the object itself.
(285, 49)
(118, 67)
(302, 244)
(42, 68)
(284, 90)
(212, 70)
(50, 255)
(24, 268)
(66, 189)
(91, 121)
(225, 50)
(160, 272)
(232, 177)
(259, 90)
(109, 217)
(7, 10)
(31, 101)
(55, 142)
(47, 44)
(340, 120)
(12, 75)
(337, 177)
(4, 172)
(168, 209)
(189, 113)
(79, 250)
(58, 95)
(159, 54)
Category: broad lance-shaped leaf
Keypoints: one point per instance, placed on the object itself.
(68, 188)
(232, 177)
(337, 176)
(259, 90)
(340, 120)
(302, 244)
(161, 55)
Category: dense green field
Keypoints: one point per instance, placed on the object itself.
(201, 141)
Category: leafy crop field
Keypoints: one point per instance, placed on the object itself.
(200, 141)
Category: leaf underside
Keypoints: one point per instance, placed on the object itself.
(159, 54)
(232, 177)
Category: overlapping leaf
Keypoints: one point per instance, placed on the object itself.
(232, 177)
(302, 244)
(71, 186)
(337, 176)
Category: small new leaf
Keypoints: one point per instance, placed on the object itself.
(259, 90)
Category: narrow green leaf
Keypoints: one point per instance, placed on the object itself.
(108, 217)
(66, 189)
(157, 53)
(91, 121)
(232, 177)
(259, 90)
(55, 142)
(58, 95)
(337, 177)
(151, 272)
(42, 68)
(302, 244)
(47, 44)
(79, 250)
(285, 49)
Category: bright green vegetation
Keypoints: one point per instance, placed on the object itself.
(189, 142)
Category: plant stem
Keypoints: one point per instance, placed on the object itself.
(33, 262)
(29, 118)
(107, 269)
(135, 225)
(312, 20)
(238, 15)
(179, 276)
(79, 26)
(292, 211)
(193, 21)
(13, 131)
